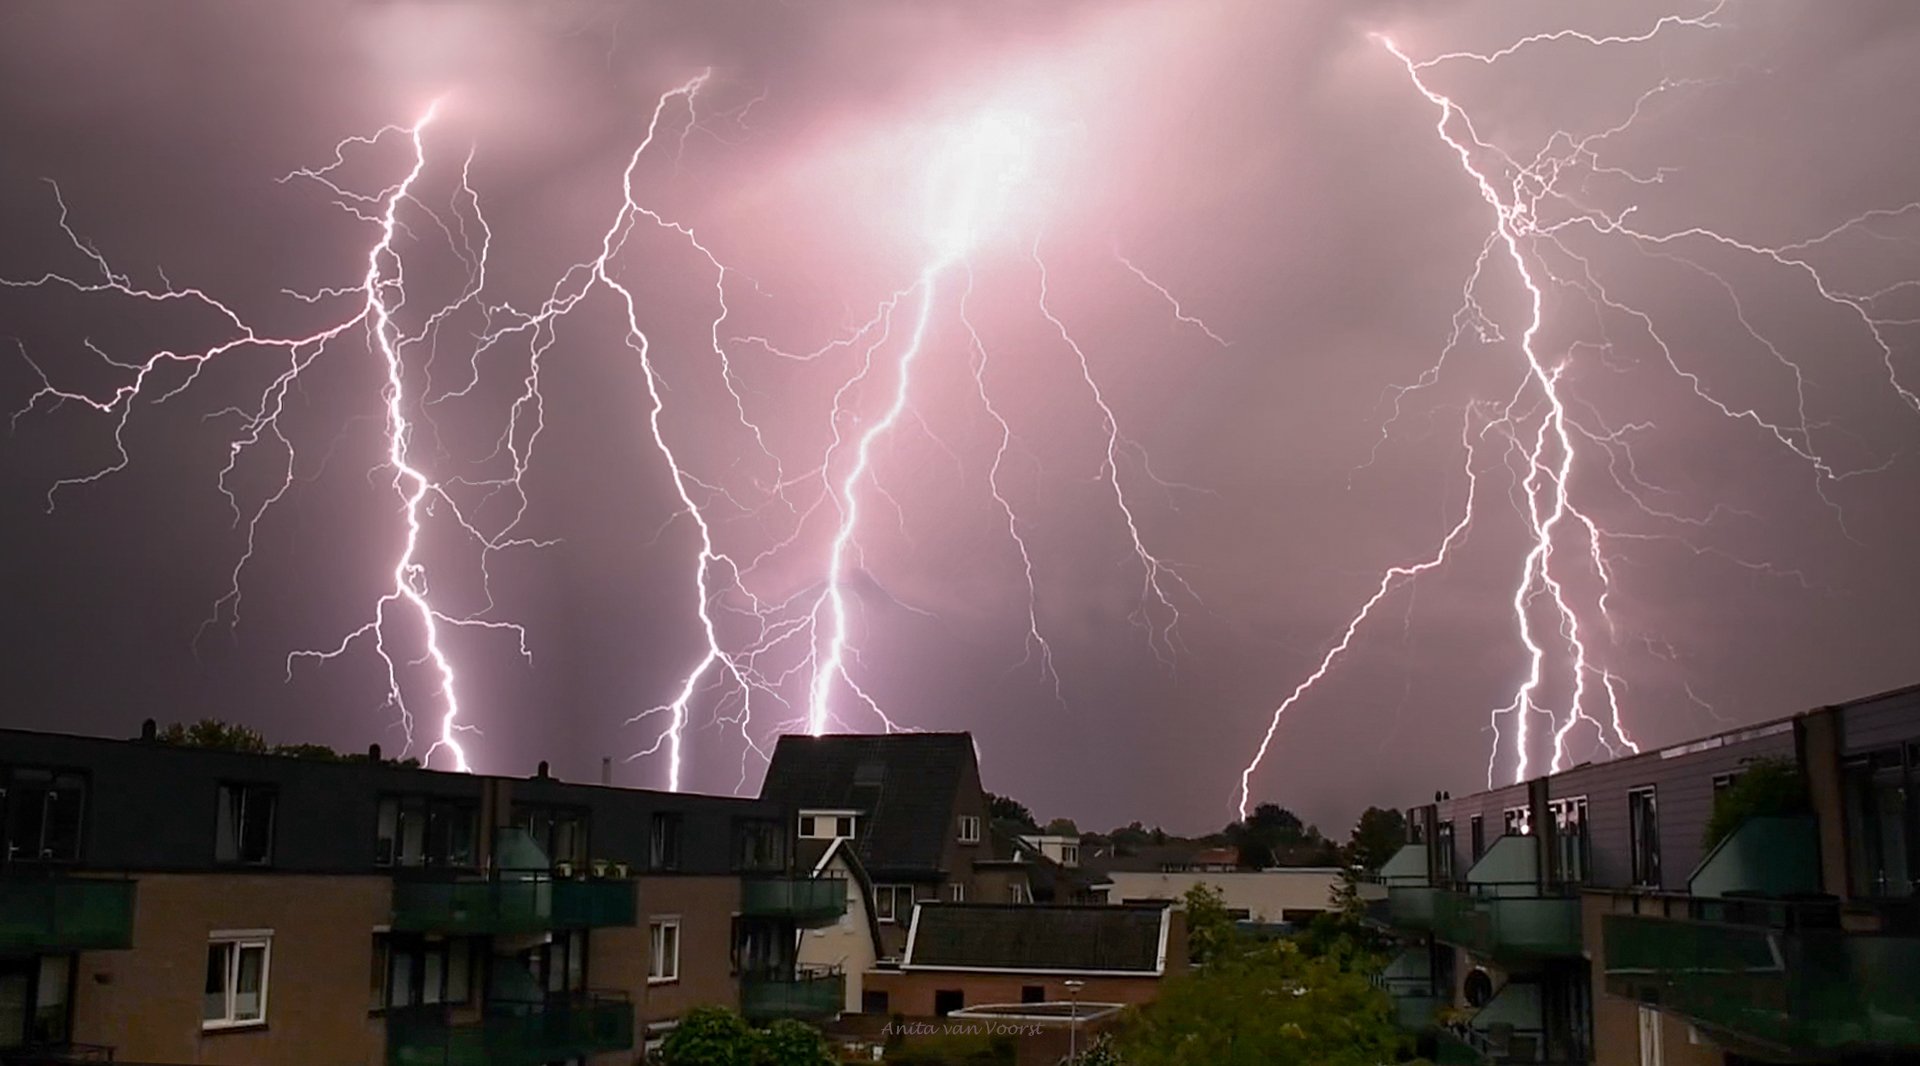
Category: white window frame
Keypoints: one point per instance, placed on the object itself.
(236, 942)
(808, 819)
(1069, 854)
(956, 892)
(969, 829)
(1017, 892)
(1651, 1052)
(657, 925)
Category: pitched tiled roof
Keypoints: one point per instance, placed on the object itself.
(1037, 938)
(904, 784)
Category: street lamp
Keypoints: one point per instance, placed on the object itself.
(1073, 1019)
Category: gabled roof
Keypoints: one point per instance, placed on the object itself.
(1039, 938)
(903, 784)
(838, 850)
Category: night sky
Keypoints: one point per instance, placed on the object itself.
(1742, 443)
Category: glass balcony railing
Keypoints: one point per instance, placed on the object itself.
(53, 914)
(1782, 986)
(511, 1034)
(1411, 906)
(803, 994)
(511, 905)
(1508, 926)
(808, 901)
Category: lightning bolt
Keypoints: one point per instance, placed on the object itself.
(376, 303)
(1536, 204)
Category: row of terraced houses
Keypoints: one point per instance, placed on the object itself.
(1580, 917)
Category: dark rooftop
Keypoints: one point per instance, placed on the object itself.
(903, 784)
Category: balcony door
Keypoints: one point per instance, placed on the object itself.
(33, 1000)
(1881, 823)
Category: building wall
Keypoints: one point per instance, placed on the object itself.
(969, 799)
(1616, 1019)
(1265, 894)
(706, 907)
(995, 885)
(910, 993)
(146, 1002)
(848, 943)
(1877, 721)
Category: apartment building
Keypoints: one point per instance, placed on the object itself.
(170, 904)
(1582, 917)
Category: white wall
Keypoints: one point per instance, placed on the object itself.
(847, 943)
(1263, 893)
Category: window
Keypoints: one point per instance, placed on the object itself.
(957, 892)
(1033, 993)
(1880, 824)
(948, 1000)
(1477, 832)
(760, 844)
(664, 842)
(826, 825)
(42, 810)
(424, 831)
(1643, 835)
(873, 1002)
(1649, 1037)
(1300, 916)
(243, 829)
(1518, 821)
(969, 829)
(1723, 782)
(1017, 893)
(1570, 837)
(1069, 854)
(236, 992)
(411, 970)
(663, 950)
(559, 832)
(893, 903)
(1443, 852)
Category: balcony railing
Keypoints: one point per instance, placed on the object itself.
(508, 904)
(808, 901)
(1488, 921)
(510, 1034)
(1782, 986)
(807, 993)
(52, 914)
(1411, 906)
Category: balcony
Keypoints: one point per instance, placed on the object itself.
(806, 994)
(510, 1034)
(1411, 907)
(1509, 922)
(1776, 985)
(805, 901)
(57, 914)
(511, 905)
(1408, 979)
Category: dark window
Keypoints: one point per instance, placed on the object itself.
(664, 843)
(42, 813)
(893, 903)
(1299, 915)
(422, 831)
(1723, 782)
(1880, 824)
(1033, 993)
(1517, 821)
(34, 1000)
(559, 832)
(243, 824)
(1477, 831)
(1443, 852)
(410, 970)
(1643, 835)
(761, 844)
(872, 1002)
(1570, 838)
(948, 1000)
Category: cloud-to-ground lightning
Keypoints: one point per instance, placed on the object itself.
(1538, 203)
(375, 304)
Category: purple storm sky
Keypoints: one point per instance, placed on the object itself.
(1273, 166)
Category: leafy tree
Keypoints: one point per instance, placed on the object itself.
(1766, 787)
(1062, 827)
(710, 1036)
(1378, 834)
(791, 1043)
(1008, 809)
(215, 734)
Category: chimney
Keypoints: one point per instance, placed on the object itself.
(149, 729)
(541, 773)
(373, 754)
(606, 769)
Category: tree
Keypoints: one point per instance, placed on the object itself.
(215, 734)
(1378, 834)
(791, 1043)
(1062, 827)
(1765, 787)
(1008, 809)
(1260, 1003)
(709, 1036)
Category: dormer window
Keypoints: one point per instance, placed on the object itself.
(826, 825)
(969, 829)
